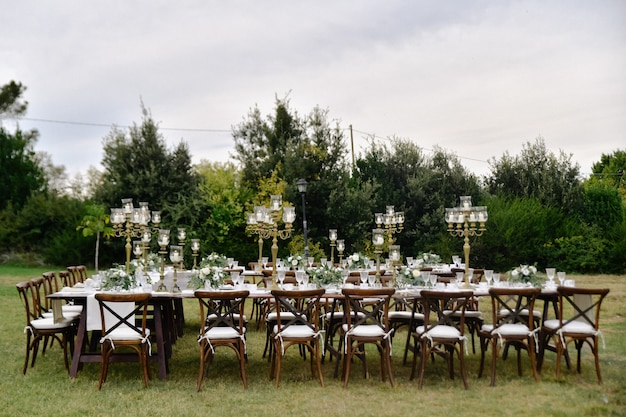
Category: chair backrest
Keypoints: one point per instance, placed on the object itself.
(303, 307)
(66, 278)
(27, 296)
(119, 311)
(50, 282)
(366, 306)
(510, 305)
(41, 304)
(581, 304)
(81, 273)
(222, 309)
(441, 308)
(73, 274)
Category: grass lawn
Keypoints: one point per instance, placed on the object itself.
(47, 390)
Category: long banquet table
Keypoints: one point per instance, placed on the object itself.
(165, 326)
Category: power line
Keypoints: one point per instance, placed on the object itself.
(68, 122)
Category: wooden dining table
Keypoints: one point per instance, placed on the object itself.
(164, 329)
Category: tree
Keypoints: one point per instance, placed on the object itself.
(611, 169)
(95, 222)
(140, 166)
(295, 147)
(22, 173)
(537, 173)
(11, 103)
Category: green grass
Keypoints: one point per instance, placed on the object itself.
(47, 390)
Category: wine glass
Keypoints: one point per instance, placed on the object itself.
(550, 272)
(305, 279)
(310, 261)
(323, 261)
(235, 277)
(409, 261)
(363, 276)
(229, 261)
(300, 277)
(489, 276)
(280, 276)
(459, 278)
(561, 276)
(433, 280)
(371, 280)
(426, 277)
(496, 279)
(264, 261)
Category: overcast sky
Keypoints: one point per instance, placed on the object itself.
(477, 78)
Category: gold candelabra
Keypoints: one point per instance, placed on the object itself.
(466, 218)
(392, 221)
(378, 239)
(195, 248)
(163, 240)
(332, 235)
(176, 256)
(264, 222)
(341, 246)
(394, 259)
(133, 222)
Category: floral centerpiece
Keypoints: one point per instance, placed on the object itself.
(410, 276)
(357, 261)
(150, 264)
(425, 259)
(325, 275)
(525, 274)
(117, 279)
(210, 272)
(296, 262)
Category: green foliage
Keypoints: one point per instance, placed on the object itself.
(21, 172)
(611, 169)
(537, 173)
(11, 103)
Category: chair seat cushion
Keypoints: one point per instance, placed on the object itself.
(212, 317)
(507, 329)
(440, 332)
(223, 333)
(49, 324)
(284, 315)
(365, 330)
(578, 327)
(125, 333)
(405, 315)
(295, 331)
(473, 314)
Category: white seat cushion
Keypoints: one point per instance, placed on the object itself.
(578, 327)
(404, 315)
(49, 324)
(295, 331)
(284, 315)
(223, 333)
(365, 330)
(440, 332)
(125, 333)
(508, 329)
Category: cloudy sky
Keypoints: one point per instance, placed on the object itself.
(478, 78)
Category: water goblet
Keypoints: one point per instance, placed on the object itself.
(460, 278)
(489, 276)
(371, 279)
(234, 276)
(409, 261)
(433, 280)
(363, 276)
(323, 261)
(300, 277)
(310, 261)
(280, 276)
(280, 263)
(264, 261)
(229, 261)
(426, 277)
(550, 272)
(561, 276)
(496, 279)
(305, 280)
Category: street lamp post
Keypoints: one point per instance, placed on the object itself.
(302, 184)
(466, 219)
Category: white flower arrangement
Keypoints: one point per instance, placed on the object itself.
(357, 260)
(410, 276)
(427, 259)
(525, 274)
(117, 279)
(210, 272)
(296, 261)
(325, 275)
